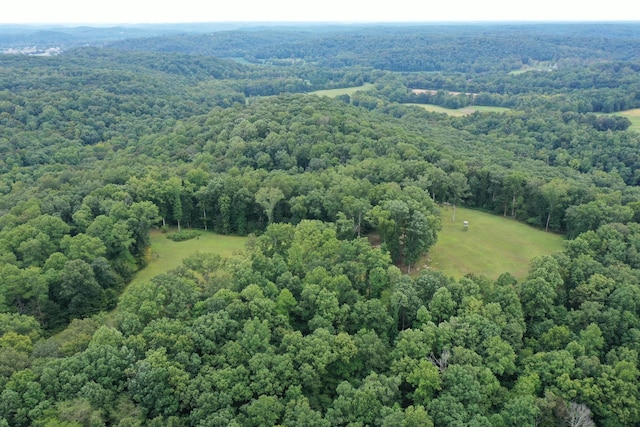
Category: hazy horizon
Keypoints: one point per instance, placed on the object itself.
(121, 12)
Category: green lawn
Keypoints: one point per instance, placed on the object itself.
(460, 111)
(492, 245)
(167, 254)
(332, 93)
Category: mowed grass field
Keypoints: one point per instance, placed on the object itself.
(633, 116)
(459, 112)
(332, 93)
(167, 254)
(492, 245)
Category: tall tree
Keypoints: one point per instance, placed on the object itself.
(514, 185)
(554, 193)
(175, 199)
(458, 189)
(268, 198)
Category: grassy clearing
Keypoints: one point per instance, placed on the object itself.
(540, 66)
(461, 111)
(332, 93)
(633, 116)
(493, 245)
(167, 254)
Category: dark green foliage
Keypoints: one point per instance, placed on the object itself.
(257, 354)
(468, 49)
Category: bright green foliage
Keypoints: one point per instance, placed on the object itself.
(83, 247)
(521, 411)
(442, 305)
(408, 222)
(158, 383)
(268, 197)
(22, 399)
(365, 403)
(217, 341)
(298, 412)
(263, 411)
(426, 380)
(500, 357)
(165, 295)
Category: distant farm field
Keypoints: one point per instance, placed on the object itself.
(544, 66)
(332, 93)
(492, 245)
(460, 111)
(167, 254)
(633, 116)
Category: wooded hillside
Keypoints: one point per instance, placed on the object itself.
(312, 324)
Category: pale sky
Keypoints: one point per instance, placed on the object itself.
(172, 11)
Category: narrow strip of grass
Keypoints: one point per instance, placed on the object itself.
(460, 111)
(167, 254)
(492, 245)
(342, 91)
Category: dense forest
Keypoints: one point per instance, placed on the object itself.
(121, 133)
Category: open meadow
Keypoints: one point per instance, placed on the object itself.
(332, 93)
(535, 66)
(459, 112)
(634, 118)
(167, 254)
(492, 245)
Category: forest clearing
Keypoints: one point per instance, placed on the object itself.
(165, 254)
(459, 112)
(332, 93)
(492, 245)
(634, 117)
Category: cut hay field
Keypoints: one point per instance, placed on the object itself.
(459, 112)
(332, 93)
(493, 245)
(167, 254)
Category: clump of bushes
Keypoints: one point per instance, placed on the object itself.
(181, 236)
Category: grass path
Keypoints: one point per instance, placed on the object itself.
(167, 254)
(493, 245)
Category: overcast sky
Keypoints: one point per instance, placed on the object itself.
(169, 11)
